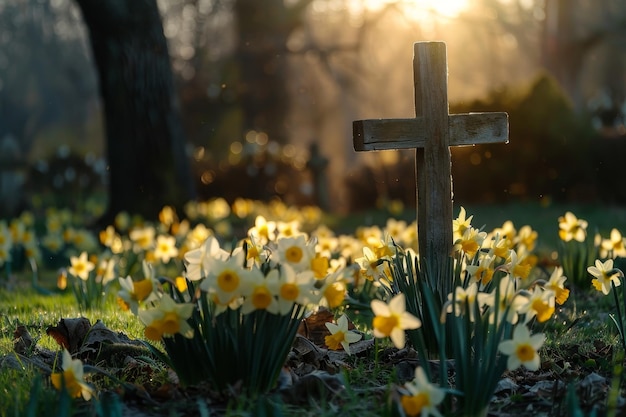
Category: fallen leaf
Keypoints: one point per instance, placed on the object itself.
(70, 333)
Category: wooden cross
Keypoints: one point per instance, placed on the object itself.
(431, 133)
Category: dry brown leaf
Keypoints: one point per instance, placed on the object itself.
(70, 333)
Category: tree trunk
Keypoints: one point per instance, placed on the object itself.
(148, 167)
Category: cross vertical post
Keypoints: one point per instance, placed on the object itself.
(431, 134)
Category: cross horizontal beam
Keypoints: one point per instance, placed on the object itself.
(465, 129)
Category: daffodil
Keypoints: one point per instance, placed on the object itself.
(81, 266)
(461, 224)
(507, 231)
(614, 246)
(465, 299)
(508, 303)
(259, 292)
(143, 238)
(197, 236)
(132, 293)
(264, 231)
(604, 275)
(111, 239)
(556, 283)
(539, 304)
(334, 293)
(483, 272)
(500, 247)
(72, 378)
(421, 398)
(294, 288)
(340, 335)
(519, 264)
(527, 237)
(570, 227)
(165, 248)
(226, 277)
(522, 349)
(255, 252)
(197, 260)
(369, 235)
(391, 320)
(288, 229)
(105, 272)
(294, 251)
(470, 242)
(372, 268)
(395, 229)
(167, 319)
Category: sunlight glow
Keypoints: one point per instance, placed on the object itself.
(425, 8)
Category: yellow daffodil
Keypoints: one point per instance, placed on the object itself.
(320, 266)
(227, 277)
(165, 248)
(522, 349)
(369, 235)
(395, 229)
(259, 292)
(556, 283)
(132, 293)
(460, 225)
(264, 231)
(255, 252)
(519, 264)
(604, 275)
(143, 238)
(294, 251)
(391, 320)
(197, 236)
(167, 216)
(507, 231)
(540, 304)
(483, 272)
(614, 246)
(81, 266)
(294, 288)
(421, 397)
(72, 378)
(340, 335)
(167, 319)
(372, 268)
(470, 242)
(288, 229)
(527, 237)
(500, 247)
(570, 227)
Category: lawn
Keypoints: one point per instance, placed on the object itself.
(579, 359)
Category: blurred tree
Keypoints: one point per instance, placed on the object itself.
(148, 166)
(564, 37)
(263, 29)
(45, 77)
